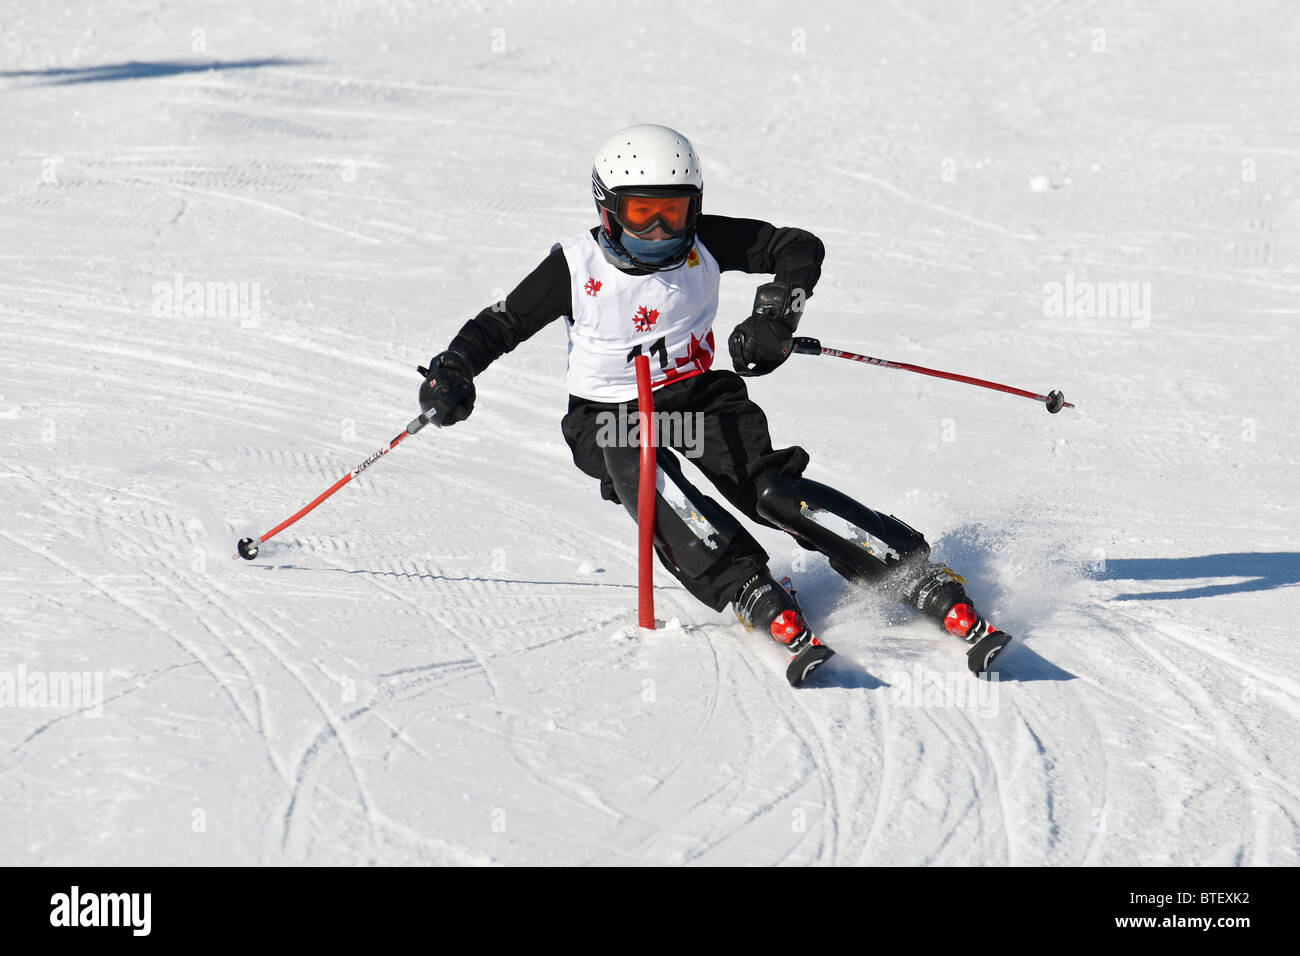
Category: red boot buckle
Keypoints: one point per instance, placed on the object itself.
(787, 626)
(960, 620)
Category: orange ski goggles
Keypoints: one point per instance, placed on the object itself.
(640, 214)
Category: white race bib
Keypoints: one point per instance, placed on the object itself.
(616, 316)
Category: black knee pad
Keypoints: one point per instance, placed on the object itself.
(862, 544)
(701, 543)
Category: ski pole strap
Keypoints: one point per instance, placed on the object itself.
(806, 345)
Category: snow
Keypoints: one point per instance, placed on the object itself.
(442, 664)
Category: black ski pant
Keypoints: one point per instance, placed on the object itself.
(700, 542)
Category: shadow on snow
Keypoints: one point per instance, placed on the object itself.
(135, 70)
(1263, 571)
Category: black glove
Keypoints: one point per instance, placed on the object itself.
(448, 388)
(764, 340)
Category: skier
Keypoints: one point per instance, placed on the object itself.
(645, 281)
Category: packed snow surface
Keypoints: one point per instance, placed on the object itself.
(229, 233)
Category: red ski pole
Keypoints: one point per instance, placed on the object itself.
(1054, 400)
(248, 546)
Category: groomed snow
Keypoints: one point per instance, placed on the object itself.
(441, 664)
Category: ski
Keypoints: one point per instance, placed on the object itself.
(807, 660)
(983, 650)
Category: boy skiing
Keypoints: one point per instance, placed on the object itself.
(645, 281)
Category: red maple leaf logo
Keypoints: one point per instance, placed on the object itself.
(592, 285)
(698, 358)
(701, 351)
(645, 319)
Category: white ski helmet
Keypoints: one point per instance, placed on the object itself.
(646, 178)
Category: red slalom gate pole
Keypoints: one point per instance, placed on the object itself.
(1054, 400)
(248, 547)
(645, 497)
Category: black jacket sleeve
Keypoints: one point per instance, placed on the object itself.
(541, 298)
(743, 245)
(750, 245)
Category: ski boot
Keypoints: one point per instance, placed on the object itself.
(940, 595)
(763, 603)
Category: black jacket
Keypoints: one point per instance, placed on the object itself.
(739, 245)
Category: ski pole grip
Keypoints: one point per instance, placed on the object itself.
(807, 345)
(418, 423)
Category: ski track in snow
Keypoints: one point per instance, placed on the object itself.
(441, 664)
